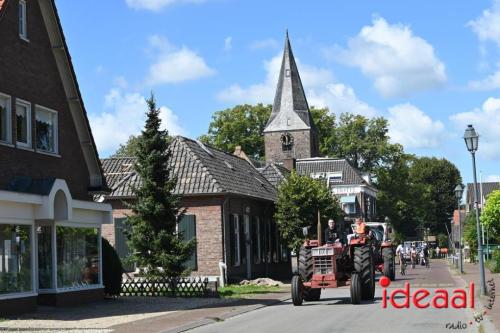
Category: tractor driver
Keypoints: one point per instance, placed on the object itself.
(360, 230)
(331, 234)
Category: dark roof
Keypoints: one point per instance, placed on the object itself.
(487, 189)
(199, 169)
(290, 108)
(274, 173)
(350, 175)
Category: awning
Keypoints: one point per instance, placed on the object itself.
(348, 199)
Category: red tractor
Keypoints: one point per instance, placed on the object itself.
(336, 265)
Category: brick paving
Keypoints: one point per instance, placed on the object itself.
(472, 274)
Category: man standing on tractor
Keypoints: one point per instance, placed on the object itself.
(331, 234)
(360, 230)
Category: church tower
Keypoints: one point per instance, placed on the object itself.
(290, 131)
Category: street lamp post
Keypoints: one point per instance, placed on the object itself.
(459, 190)
(471, 141)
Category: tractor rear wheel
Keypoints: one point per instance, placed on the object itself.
(355, 288)
(297, 290)
(388, 258)
(364, 266)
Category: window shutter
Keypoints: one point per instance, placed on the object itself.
(187, 227)
(121, 245)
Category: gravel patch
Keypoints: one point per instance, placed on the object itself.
(99, 316)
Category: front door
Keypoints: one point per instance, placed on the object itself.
(248, 244)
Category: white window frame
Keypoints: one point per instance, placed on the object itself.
(28, 125)
(56, 130)
(8, 118)
(23, 21)
(236, 227)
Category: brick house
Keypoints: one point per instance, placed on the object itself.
(483, 190)
(292, 142)
(50, 248)
(229, 209)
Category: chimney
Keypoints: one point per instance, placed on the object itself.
(289, 163)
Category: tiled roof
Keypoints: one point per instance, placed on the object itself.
(199, 169)
(274, 173)
(350, 175)
(487, 189)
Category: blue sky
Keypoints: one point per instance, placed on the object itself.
(430, 67)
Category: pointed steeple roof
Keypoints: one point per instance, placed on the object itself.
(290, 108)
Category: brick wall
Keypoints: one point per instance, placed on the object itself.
(304, 146)
(29, 72)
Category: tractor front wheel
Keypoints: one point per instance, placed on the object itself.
(388, 257)
(297, 290)
(355, 288)
(364, 266)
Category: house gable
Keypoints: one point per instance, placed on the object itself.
(39, 70)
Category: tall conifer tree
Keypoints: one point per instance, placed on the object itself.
(157, 247)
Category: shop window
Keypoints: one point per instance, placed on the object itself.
(44, 237)
(77, 257)
(15, 257)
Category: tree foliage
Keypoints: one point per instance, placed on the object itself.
(470, 232)
(128, 149)
(299, 199)
(157, 248)
(490, 216)
(242, 125)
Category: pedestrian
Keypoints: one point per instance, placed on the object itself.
(438, 252)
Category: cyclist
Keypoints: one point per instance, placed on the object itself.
(400, 251)
(426, 255)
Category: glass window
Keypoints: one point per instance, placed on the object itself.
(15, 257)
(256, 240)
(44, 236)
(46, 130)
(23, 31)
(23, 124)
(5, 124)
(77, 256)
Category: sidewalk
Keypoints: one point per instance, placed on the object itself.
(472, 274)
(184, 320)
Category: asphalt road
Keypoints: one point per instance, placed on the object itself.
(334, 313)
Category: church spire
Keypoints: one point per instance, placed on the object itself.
(290, 108)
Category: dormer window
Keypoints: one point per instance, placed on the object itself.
(287, 72)
(23, 25)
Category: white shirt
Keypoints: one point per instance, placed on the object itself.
(399, 249)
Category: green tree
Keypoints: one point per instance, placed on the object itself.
(363, 142)
(470, 232)
(128, 149)
(398, 198)
(326, 125)
(299, 199)
(242, 125)
(490, 216)
(437, 178)
(157, 248)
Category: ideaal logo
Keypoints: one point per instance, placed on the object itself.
(441, 299)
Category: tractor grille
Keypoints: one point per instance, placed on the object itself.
(323, 265)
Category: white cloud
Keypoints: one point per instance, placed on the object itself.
(486, 121)
(228, 43)
(489, 83)
(263, 44)
(411, 127)
(340, 98)
(319, 85)
(124, 115)
(487, 26)
(399, 62)
(173, 65)
(492, 178)
(156, 5)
